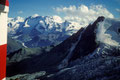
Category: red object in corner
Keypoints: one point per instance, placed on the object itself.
(3, 48)
(3, 53)
(4, 2)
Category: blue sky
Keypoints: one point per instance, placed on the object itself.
(26, 8)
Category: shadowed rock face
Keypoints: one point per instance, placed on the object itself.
(87, 43)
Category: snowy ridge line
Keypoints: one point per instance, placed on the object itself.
(44, 23)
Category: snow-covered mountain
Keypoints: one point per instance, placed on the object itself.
(36, 30)
(93, 53)
(14, 24)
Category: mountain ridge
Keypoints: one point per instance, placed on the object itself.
(79, 55)
(45, 29)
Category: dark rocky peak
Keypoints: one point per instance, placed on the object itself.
(87, 43)
(99, 19)
(78, 45)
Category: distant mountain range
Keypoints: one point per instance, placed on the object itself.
(92, 53)
(37, 31)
